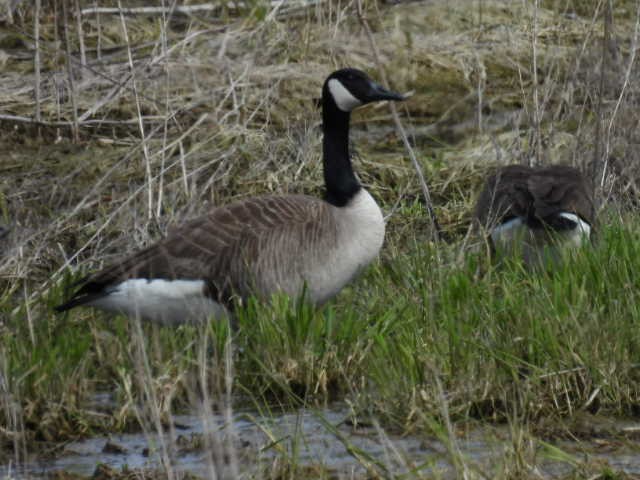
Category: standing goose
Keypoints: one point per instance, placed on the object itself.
(261, 245)
(530, 210)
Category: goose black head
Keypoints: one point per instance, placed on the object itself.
(349, 88)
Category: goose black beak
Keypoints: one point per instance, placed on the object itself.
(378, 93)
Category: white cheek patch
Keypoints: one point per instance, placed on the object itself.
(582, 226)
(581, 233)
(343, 97)
(509, 232)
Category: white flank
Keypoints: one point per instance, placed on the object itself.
(360, 237)
(343, 97)
(169, 302)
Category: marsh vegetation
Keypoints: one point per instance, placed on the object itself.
(117, 126)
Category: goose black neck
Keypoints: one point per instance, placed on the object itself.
(340, 182)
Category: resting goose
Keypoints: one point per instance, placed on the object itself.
(261, 245)
(530, 210)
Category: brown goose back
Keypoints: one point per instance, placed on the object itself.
(534, 194)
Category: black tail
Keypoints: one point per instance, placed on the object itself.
(75, 302)
(86, 294)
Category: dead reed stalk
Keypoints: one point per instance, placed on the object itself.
(436, 231)
(597, 165)
(83, 52)
(70, 79)
(535, 159)
(36, 57)
(623, 89)
(145, 147)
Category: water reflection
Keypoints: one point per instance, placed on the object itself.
(307, 437)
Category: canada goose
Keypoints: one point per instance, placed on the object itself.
(532, 210)
(257, 246)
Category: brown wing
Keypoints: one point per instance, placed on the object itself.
(533, 193)
(557, 189)
(216, 247)
(504, 195)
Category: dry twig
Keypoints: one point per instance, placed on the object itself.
(280, 8)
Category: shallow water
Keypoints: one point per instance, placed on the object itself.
(311, 437)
